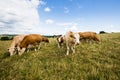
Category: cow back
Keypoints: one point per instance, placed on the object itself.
(31, 39)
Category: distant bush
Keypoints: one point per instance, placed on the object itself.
(51, 36)
(5, 38)
(102, 32)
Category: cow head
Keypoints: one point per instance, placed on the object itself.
(12, 51)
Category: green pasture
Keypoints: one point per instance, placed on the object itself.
(92, 61)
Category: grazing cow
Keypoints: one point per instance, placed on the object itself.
(71, 40)
(60, 40)
(31, 39)
(89, 35)
(13, 49)
(33, 46)
(45, 39)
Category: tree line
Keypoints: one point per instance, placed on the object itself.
(10, 37)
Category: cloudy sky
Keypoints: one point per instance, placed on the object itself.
(51, 17)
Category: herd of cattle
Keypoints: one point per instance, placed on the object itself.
(22, 43)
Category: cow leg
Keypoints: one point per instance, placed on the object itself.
(11, 54)
(45, 44)
(58, 44)
(28, 50)
(39, 45)
(16, 50)
(68, 49)
(35, 49)
(73, 49)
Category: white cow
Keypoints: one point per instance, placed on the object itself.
(13, 49)
(30, 40)
(71, 40)
(60, 40)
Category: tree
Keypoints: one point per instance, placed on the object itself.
(4, 38)
(102, 32)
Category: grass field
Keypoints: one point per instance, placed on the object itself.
(90, 62)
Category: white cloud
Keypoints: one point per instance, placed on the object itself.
(66, 10)
(19, 16)
(112, 26)
(49, 21)
(42, 2)
(73, 28)
(69, 26)
(47, 9)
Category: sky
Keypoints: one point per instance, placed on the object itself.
(50, 17)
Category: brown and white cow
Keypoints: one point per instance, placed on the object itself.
(71, 40)
(60, 40)
(13, 49)
(89, 35)
(45, 40)
(31, 39)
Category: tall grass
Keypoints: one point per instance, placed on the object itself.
(92, 61)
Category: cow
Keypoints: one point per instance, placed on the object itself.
(31, 39)
(89, 35)
(71, 40)
(13, 49)
(60, 40)
(45, 40)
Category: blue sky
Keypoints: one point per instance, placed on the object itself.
(49, 17)
(84, 15)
